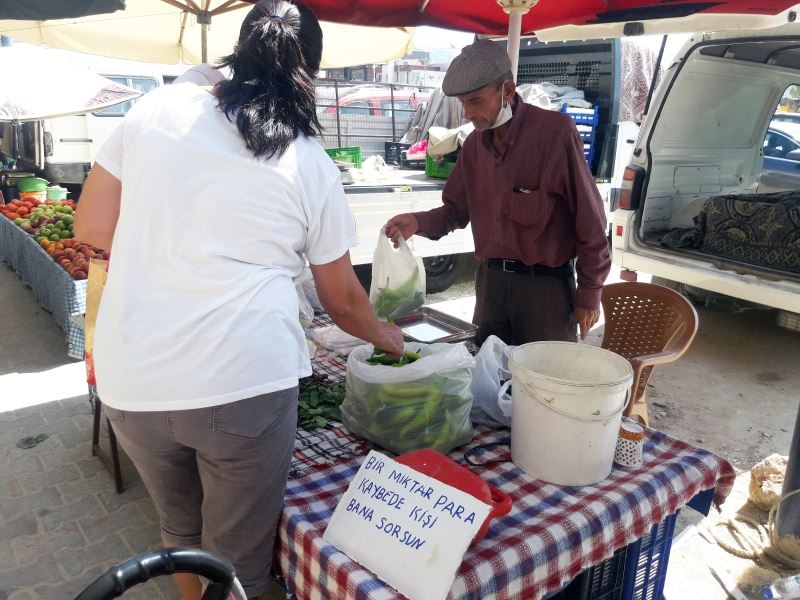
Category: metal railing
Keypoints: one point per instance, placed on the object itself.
(366, 114)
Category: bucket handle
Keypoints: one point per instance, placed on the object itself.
(570, 415)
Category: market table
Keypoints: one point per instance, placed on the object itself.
(53, 288)
(552, 533)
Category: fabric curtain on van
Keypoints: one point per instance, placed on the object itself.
(762, 230)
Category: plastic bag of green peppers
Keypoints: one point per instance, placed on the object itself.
(424, 403)
(398, 279)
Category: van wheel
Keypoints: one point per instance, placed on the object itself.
(695, 294)
(667, 283)
(441, 271)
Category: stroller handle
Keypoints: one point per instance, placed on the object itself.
(165, 561)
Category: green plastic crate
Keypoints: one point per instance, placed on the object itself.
(351, 154)
(439, 168)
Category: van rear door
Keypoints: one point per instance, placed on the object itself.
(700, 218)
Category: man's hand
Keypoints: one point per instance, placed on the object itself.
(586, 318)
(405, 225)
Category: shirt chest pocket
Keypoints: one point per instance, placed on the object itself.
(530, 211)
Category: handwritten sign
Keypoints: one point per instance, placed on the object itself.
(409, 529)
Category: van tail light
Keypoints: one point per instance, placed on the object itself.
(630, 192)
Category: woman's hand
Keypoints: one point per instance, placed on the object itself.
(393, 344)
(345, 300)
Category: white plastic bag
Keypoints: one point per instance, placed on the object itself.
(398, 279)
(491, 404)
(335, 340)
(425, 404)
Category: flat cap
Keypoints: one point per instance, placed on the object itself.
(479, 64)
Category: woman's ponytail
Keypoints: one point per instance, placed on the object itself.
(270, 95)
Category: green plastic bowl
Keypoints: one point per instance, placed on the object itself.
(32, 184)
(57, 193)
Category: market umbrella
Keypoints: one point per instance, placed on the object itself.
(513, 17)
(57, 9)
(191, 32)
(41, 85)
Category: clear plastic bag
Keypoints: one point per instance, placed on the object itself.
(305, 281)
(306, 315)
(491, 405)
(425, 404)
(398, 279)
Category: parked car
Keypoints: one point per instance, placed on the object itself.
(377, 102)
(781, 169)
(367, 115)
(786, 117)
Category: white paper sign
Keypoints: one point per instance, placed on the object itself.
(409, 529)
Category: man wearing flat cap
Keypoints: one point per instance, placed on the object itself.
(522, 182)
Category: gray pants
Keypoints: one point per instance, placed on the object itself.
(217, 475)
(520, 308)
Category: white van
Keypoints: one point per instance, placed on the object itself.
(63, 149)
(690, 207)
(71, 143)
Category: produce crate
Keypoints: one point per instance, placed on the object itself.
(646, 563)
(440, 168)
(635, 572)
(600, 582)
(586, 120)
(350, 154)
(606, 579)
(395, 154)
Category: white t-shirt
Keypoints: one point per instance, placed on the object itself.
(199, 308)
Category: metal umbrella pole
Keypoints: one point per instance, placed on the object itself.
(515, 9)
(787, 521)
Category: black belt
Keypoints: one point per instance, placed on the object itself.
(515, 266)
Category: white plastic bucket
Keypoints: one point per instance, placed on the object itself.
(567, 400)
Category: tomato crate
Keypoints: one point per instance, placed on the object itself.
(440, 168)
(350, 154)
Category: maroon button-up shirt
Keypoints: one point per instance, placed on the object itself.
(535, 201)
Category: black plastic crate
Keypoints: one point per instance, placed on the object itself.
(394, 154)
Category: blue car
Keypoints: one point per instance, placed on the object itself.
(781, 169)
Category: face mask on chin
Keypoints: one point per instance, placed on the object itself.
(505, 114)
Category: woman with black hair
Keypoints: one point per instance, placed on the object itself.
(214, 200)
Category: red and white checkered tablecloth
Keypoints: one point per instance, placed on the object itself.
(551, 534)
